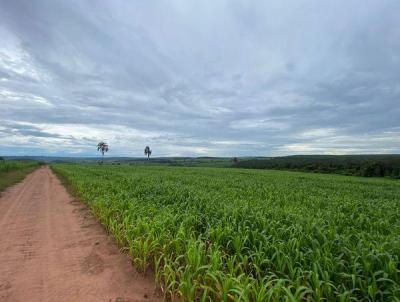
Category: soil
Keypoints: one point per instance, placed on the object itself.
(52, 249)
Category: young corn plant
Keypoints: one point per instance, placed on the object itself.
(243, 235)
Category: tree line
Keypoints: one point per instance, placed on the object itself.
(357, 165)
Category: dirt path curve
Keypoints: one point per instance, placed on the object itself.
(52, 249)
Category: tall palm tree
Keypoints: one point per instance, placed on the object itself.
(102, 147)
(147, 151)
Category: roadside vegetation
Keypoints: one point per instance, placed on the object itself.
(13, 171)
(249, 235)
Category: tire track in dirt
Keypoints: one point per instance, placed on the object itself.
(52, 249)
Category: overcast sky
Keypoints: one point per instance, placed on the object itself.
(199, 78)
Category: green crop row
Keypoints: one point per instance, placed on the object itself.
(244, 235)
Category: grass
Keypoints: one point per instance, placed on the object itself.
(213, 234)
(12, 172)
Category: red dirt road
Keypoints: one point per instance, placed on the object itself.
(52, 249)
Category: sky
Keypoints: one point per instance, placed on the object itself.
(199, 78)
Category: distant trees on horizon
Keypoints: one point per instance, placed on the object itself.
(147, 151)
(357, 165)
(103, 148)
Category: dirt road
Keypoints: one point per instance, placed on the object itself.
(52, 249)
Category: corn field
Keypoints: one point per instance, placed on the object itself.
(214, 234)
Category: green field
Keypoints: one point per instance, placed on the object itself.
(215, 234)
(13, 171)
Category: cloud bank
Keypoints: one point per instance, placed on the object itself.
(199, 78)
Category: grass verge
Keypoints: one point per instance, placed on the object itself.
(10, 178)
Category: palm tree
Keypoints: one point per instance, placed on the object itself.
(102, 147)
(147, 151)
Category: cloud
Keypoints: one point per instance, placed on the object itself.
(226, 78)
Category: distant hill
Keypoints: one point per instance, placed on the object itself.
(174, 161)
(64, 159)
